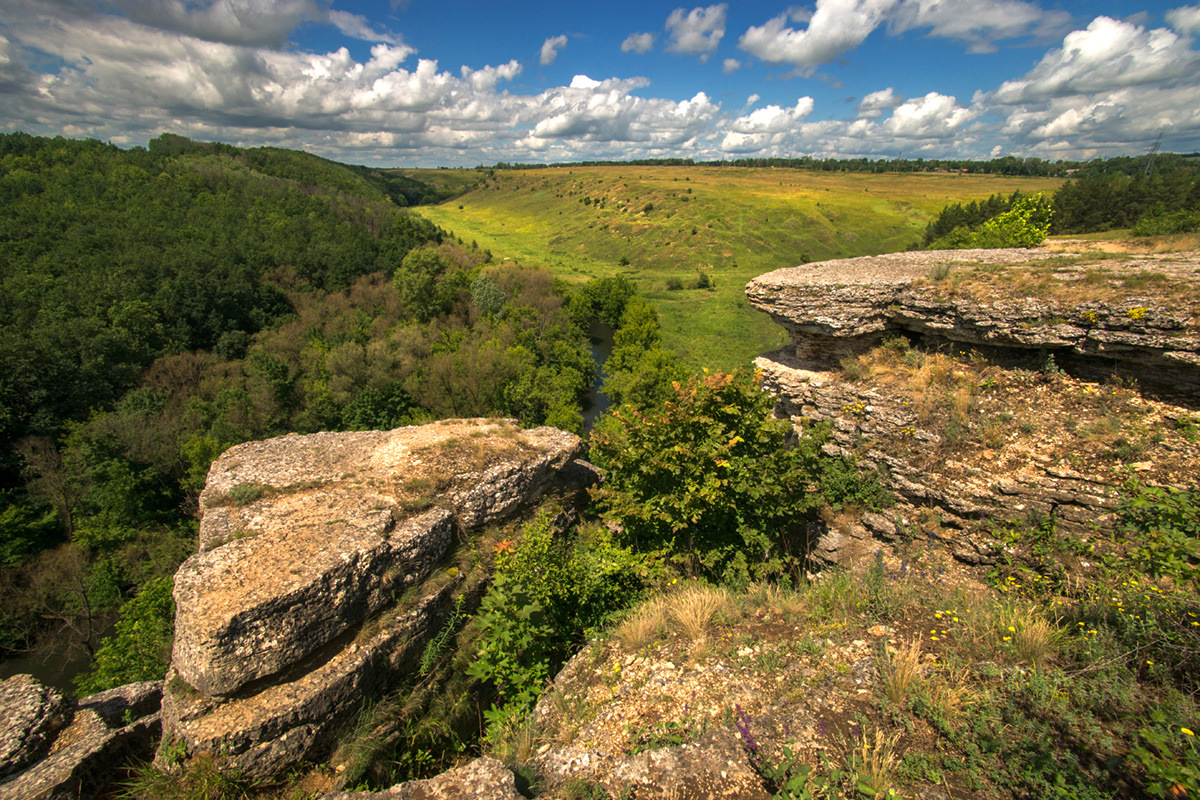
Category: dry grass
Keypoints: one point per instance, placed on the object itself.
(695, 608)
(772, 599)
(1036, 642)
(877, 763)
(902, 673)
(950, 692)
(646, 624)
(1028, 637)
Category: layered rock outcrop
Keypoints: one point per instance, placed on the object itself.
(968, 416)
(290, 616)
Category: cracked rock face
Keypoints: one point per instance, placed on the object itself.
(288, 618)
(52, 749)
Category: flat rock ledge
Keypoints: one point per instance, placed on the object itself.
(288, 619)
(1139, 329)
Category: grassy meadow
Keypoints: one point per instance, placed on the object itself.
(664, 227)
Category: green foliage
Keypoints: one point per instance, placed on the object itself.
(956, 221)
(708, 479)
(1170, 756)
(139, 647)
(1025, 223)
(640, 372)
(548, 593)
(1158, 222)
(603, 299)
(1163, 526)
(486, 296)
(206, 777)
(1102, 198)
(26, 526)
(113, 258)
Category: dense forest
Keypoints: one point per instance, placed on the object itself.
(162, 304)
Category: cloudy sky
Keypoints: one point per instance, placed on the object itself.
(462, 82)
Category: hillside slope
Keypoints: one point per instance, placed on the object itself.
(665, 226)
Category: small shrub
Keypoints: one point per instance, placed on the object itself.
(674, 284)
(940, 272)
(855, 368)
(1170, 756)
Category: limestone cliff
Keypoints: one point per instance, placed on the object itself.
(1013, 384)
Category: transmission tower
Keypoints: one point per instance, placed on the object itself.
(1153, 152)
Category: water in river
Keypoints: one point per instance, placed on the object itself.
(597, 402)
(56, 661)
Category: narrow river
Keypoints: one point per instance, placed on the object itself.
(601, 336)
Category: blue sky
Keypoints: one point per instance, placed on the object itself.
(423, 83)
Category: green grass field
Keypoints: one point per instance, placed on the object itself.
(672, 223)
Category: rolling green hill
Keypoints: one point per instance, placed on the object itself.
(673, 223)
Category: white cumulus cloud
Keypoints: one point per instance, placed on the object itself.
(638, 43)
(1185, 19)
(730, 66)
(550, 48)
(698, 31)
(877, 101)
(978, 22)
(835, 27)
(934, 116)
(1109, 54)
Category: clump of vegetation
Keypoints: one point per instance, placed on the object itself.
(548, 593)
(1025, 223)
(708, 479)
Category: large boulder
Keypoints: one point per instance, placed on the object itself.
(33, 715)
(982, 442)
(289, 619)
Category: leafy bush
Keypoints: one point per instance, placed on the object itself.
(1159, 222)
(708, 478)
(1164, 526)
(548, 593)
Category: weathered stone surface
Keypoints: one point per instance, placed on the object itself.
(124, 703)
(84, 759)
(1052, 467)
(716, 765)
(481, 779)
(318, 548)
(288, 620)
(298, 717)
(30, 716)
(255, 605)
(867, 415)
